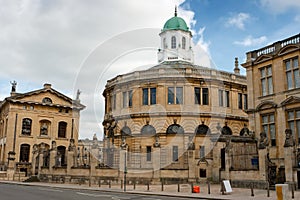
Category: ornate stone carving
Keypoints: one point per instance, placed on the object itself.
(72, 146)
(124, 144)
(191, 145)
(289, 140)
(156, 144)
(263, 141)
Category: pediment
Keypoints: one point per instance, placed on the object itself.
(290, 100)
(266, 105)
(288, 49)
(262, 58)
(44, 97)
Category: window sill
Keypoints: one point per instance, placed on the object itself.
(266, 96)
(43, 137)
(26, 136)
(61, 138)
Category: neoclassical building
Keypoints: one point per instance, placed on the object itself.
(273, 82)
(174, 119)
(39, 119)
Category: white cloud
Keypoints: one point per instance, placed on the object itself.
(280, 6)
(75, 44)
(238, 20)
(250, 41)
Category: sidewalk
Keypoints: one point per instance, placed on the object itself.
(169, 190)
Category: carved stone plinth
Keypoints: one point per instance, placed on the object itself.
(262, 153)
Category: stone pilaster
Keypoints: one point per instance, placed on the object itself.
(40, 164)
(227, 165)
(52, 160)
(34, 155)
(70, 161)
(156, 163)
(192, 165)
(122, 163)
(288, 163)
(262, 153)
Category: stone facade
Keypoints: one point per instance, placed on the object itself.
(38, 120)
(273, 82)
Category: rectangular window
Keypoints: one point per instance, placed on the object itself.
(175, 95)
(293, 118)
(114, 101)
(152, 96)
(227, 99)
(268, 126)
(245, 101)
(175, 154)
(205, 96)
(197, 95)
(130, 98)
(240, 100)
(266, 80)
(148, 153)
(221, 98)
(179, 95)
(202, 173)
(292, 73)
(145, 96)
(125, 100)
(171, 95)
(202, 151)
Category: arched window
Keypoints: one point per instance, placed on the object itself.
(44, 127)
(62, 129)
(47, 100)
(26, 126)
(183, 42)
(164, 43)
(226, 130)
(125, 131)
(173, 42)
(24, 153)
(202, 129)
(175, 129)
(148, 130)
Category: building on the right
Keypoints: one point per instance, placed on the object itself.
(273, 82)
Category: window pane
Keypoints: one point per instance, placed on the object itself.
(227, 99)
(173, 42)
(197, 95)
(145, 96)
(240, 101)
(270, 85)
(265, 119)
(269, 71)
(205, 96)
(266, 129)
(245, 101)
(291, 115)
(171, 95)
(202, 151)
(289, 80)
(295, 63)
(262, 72)
(271, 118)
(130, 98)
(291, 126)
(272, 131)
(298, 114)
(148, 153)
(179, 95)
(175, 153)
(153, 96)
(124, 99)
(183, 42)
(263, 87)
(220, 97)
(287, 65)
(297, 78)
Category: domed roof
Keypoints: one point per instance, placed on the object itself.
(175, 23)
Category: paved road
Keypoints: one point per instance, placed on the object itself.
(21, 192)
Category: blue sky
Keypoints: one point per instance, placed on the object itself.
(75, 44)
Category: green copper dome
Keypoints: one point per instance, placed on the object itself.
(175, 23)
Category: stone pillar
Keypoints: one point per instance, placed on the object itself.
(227, 165)
(122, 163)
(156, 163)
(94, 161)
(288, 163)
(192, 165)
(262, 153)
(40, 164)
(216, 165)
(52, 160)
(34, 156)
(282, 192)
(70, 161)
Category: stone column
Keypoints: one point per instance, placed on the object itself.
(34, 156)
(216, 165)
(52, 160)
(122, 163)
(288, 163)
(262, 153)
(227, 165)
(94, 161)
(40, 164)
(156, 163)
(70, 161)
(192, 165)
